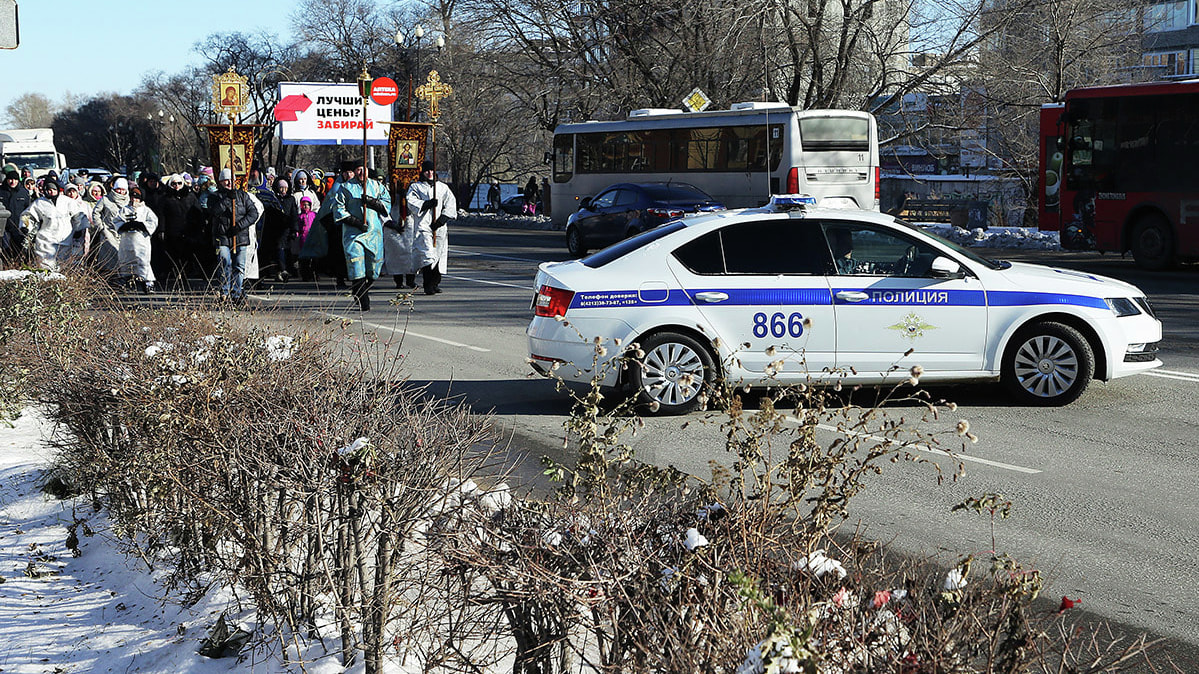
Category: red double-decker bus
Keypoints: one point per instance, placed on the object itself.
(1120, 171)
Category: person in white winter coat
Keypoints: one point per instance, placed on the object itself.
(125, 225)
(133, 257)
(81, 222)
(52, 225)
(431, 206)
(301, 186)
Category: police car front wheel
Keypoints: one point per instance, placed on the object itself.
(676, 372)
(1048, 364)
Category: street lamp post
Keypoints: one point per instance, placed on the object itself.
(418, 34)
(403, 42)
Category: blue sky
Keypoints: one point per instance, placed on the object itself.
(90, 48)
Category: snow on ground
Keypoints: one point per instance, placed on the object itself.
(97, 612)
(995, 237)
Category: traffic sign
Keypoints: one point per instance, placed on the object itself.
(10, 31)
(697, 100)
(384, 91)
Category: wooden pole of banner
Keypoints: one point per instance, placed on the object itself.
(232, 188)
(364, 150)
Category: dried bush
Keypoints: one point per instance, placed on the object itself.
(337, 502)
(229, 456)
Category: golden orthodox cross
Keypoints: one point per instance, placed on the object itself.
(433, 90)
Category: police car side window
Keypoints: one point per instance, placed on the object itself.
(768, 247)
(862, 250)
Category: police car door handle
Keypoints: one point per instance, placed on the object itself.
(711, 297)
(852, 296)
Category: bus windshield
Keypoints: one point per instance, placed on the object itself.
(834, 133)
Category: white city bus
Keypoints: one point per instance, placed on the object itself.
(740, 156)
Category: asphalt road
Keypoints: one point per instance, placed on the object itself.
(1103, 491)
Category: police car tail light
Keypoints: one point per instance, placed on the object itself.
(665, 212)
(793, 180)
(552, 302)
(878, 179)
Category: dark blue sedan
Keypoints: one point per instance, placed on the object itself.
(625, 209)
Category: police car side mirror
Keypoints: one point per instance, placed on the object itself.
(585, 203)
(945, 268)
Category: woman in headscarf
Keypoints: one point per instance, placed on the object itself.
(81, 222)
(134, 254)
(108, 215)
(49, 226)
(93, 193)
(279, 225)
(301, 186)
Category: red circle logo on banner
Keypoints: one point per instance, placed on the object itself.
(384, 91)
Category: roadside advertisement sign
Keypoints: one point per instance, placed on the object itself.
(384, 91)
(321, 113)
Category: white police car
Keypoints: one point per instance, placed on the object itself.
(790, 293)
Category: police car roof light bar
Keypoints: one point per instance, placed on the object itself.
(790, 202)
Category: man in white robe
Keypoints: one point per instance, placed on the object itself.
(431, 206)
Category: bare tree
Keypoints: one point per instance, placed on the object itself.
(1039, 52)
(186, 97)
(30, 111)
(112, 131)
(594, 59)
(264, 61)
(350, 34)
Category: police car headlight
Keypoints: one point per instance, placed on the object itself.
(1123, 306)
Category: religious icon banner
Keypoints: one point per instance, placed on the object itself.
(238, 155)
(405, 151)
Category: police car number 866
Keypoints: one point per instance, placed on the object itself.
(836, 295)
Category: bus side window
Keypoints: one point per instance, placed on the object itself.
(564, 157)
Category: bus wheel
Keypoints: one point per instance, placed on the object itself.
(574, 242)
(1152, 242)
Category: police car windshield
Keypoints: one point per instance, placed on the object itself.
(622, 248)
(964, 252)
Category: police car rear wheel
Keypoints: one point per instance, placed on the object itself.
(574, 242)
(1048, 364)
(674, 374)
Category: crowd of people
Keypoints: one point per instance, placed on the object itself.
(148, 231)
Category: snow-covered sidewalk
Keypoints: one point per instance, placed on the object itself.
(94, 613)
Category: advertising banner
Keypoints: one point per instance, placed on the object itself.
(319, 113)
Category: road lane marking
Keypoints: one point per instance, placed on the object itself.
(490, 283)
(927, 449)
(463, 251)
(1172, 374)
(407, 332)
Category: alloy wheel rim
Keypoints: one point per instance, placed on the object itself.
(672, 374)
(1046, 366)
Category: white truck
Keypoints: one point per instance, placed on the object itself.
(33, 149)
